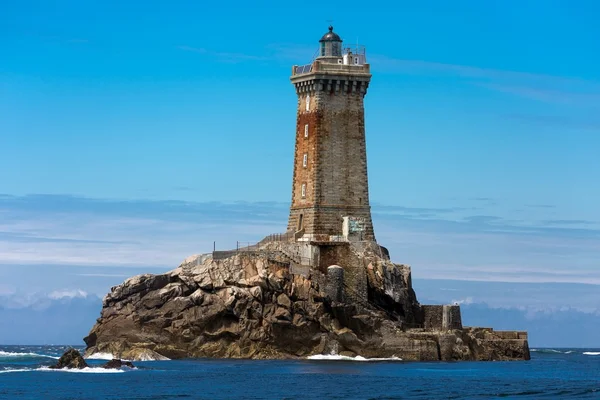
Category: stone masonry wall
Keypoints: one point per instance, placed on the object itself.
(355, 276)
(441, 317)
(336, 173)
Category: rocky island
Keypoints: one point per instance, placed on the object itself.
(325, 286)
(259, 303)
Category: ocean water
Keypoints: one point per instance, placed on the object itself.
(551, 374)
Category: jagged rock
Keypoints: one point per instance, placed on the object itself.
(71, 359)
(250, 305)
(117, 363)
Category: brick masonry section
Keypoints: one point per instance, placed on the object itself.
(441, 317)
(335, 177)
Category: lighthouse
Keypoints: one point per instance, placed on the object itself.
(330, 189)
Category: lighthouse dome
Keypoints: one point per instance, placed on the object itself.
(331, 36)
(331, 45)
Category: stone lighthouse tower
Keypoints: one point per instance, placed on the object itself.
(330, 191)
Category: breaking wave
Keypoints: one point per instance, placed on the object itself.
(142, 357)
(336, 357)
(11, 355)
(88, 370)
(100, 356)
(552, 351)
(555, 351)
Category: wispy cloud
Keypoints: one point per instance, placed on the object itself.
(68, 294)
(535, 86)
(567, 222)
(231, 57)
(559, 96)
(198, 50)
(468, 300)
(556, 121)
(540, 205)
(104, 275)
(274, 52)
(83, 231)
(466, 71)
(469, 243)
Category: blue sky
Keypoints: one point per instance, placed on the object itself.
(135, 134)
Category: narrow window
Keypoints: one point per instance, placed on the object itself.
(303, 190)
(300, 221)
(307, 102)
(305, 130)
(305, 160)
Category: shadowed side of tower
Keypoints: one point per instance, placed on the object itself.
(330, 191)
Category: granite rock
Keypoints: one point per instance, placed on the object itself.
(250, 305)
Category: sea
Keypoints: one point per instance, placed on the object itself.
(550, 374)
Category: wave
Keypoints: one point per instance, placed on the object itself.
(591, 353)
(11, 354)
(88, 370)
(8, 370)
(552, 351)
(336, 357)
(100, 356)
(141, 357)
(148, 357)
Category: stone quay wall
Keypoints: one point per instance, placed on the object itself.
(441, 317)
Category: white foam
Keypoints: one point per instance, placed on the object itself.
(6, 371)
(149, 357)
(336, 357)
(552, 351)
(7, 354)
(100, 356)
(142, 357)
(86, 370)
(592, 353)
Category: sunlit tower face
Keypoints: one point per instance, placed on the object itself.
(330, 182)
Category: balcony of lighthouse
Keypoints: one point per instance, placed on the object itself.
(352, 61)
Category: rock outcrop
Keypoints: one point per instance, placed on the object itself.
(71, 359)
(261, 304)
(117, 364)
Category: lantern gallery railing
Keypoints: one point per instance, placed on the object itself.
(303, 69)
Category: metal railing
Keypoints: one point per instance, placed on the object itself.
(355, 49)
(277, 237)
(303, 69)
(251, 247)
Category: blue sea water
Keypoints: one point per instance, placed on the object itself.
(551, 374)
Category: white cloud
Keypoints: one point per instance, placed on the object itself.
(88, 233)
(468, 300)
(61, 294)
